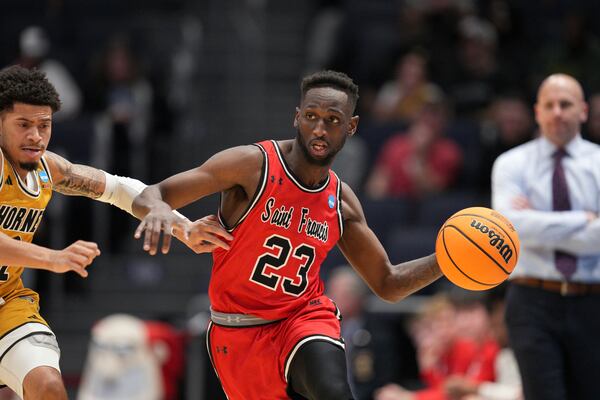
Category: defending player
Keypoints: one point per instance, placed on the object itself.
(285, 209)
(29, 353)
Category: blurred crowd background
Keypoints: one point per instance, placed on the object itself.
(153, 88)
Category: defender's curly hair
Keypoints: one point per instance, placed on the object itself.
(29, 86)
(332, 79)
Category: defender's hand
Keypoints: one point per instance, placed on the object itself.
(204, 235)
(75, 257)
(160, 219)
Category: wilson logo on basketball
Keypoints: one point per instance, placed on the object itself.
(495, 240)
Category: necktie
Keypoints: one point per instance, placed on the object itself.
(566, 263)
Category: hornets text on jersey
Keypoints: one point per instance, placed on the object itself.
(21, 210)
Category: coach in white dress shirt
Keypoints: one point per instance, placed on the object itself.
(550, 189)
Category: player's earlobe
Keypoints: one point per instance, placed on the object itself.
(353, 125)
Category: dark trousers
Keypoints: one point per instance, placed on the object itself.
(556, 341)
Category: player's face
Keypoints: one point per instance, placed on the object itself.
(24, 134)
(324, 120)
(560, 110)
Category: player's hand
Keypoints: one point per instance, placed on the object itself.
(204, 235)
(160, 220)
(75, 257)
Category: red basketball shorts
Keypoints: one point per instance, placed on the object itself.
(252, 363)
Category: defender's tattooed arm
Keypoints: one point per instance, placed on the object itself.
(75, 179)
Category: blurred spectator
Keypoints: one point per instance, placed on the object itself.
(507, 383)
(132, 359)
(376, 352)
(352, 161)
(321, 42)
(403, 98)
(509, 123)
(418, 162)
(592, 128)
(365, 41)
(452, 341)
(513, 45)
(505, 19)
(576, 53)
(508, 380)
(123, 99)
(432, 24)
(472, 319)
(34, 53)
(476, 76)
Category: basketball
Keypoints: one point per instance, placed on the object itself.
(477, 248)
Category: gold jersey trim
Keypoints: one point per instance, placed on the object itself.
(46, 168)
(23, 185)
(1, 169)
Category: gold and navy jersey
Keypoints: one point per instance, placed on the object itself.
(21, 210)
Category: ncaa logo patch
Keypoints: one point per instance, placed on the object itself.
(331, 201)
(43, 176)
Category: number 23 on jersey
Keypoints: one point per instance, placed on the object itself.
(265, 271)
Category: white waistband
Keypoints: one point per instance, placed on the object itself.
(21, 332)
(227, 319)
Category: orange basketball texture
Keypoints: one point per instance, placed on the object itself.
(477, 248)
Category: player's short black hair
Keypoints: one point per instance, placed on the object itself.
(28, 86)
(331, 79)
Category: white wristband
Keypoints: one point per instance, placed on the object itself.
(181, 215)
(120, 191)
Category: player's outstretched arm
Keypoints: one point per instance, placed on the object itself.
(365, 253)
(75, 257)
(75, 179)
(235, 168)
(83, 180)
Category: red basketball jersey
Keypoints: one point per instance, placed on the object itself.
(272, 267)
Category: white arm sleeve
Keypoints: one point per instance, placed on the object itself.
(120, 191)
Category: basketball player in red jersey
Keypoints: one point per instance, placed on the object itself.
(273, 334)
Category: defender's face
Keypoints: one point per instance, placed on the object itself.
(324, 120)
(24, 134)
(560, 110)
